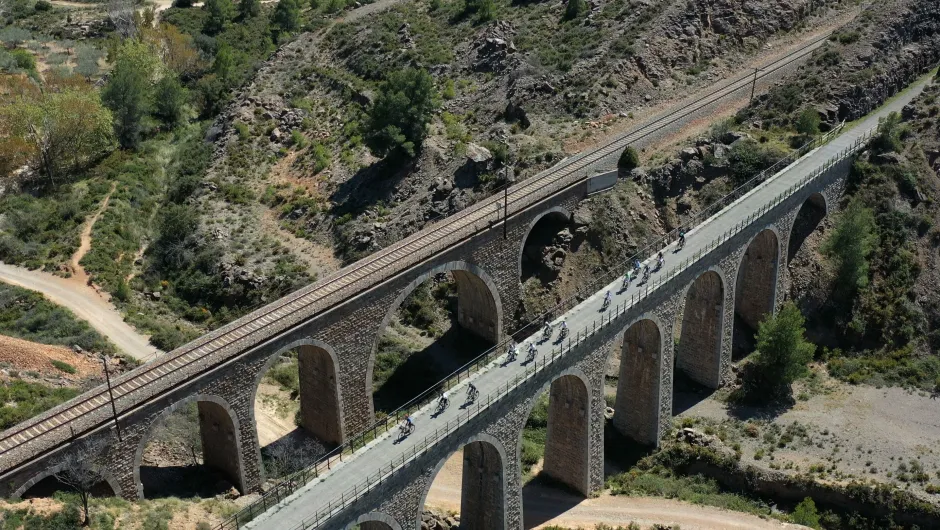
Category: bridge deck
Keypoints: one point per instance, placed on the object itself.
(380, 453)
(91, 410)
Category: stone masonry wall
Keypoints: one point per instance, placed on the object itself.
(350, 332)
(699, 349)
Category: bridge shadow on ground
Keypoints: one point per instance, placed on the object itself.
(424, 368)
(183, 481)
(687, 393)
(743, 339)
(543, 499)
(292, 452)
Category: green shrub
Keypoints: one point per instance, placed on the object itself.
(28, 315)
(399, 117)
(782, 352)
(747, 159)
(629, 159)
(849, 246)
(20, 400)
(805, 514)
(807, 123)
(63, 366)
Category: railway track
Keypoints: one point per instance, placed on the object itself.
(92, 410)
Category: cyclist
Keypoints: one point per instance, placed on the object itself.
(607, 300)
(442, 403)
(646, 272)
(547, 331)
(681, 238)
(626, 280)
(660, 260)
(471, 392)
(564, 329)
(511, 352)
(532, 352)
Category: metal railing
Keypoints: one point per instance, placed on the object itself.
(92, 410)
(300, 478)
(371, 481)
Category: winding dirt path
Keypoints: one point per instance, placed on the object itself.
(81, 297)
(78, 272)
(86, 304)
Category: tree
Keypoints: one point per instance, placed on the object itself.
(56, 131)
(175, 48)
(123, 15)
(286, 15)
(220, 12)
(86, 61)
(629, 159)
(849, 245)
(224, 63)
(78, 471)
(13, 36)
(890, 133)
(4, 9)
(805, 514)
(575, 9)
(747, 159)
(807, 123)
(249, 8)
(399, 117)
(129, 91)
(782, 351)
(169, 101)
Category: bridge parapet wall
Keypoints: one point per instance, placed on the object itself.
(401, 495)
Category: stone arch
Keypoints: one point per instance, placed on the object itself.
(554, 213)
(755, 291)
(479, 307)
(106, 477)
(813, 210)
(477, 510)
(374, 521)
(637, 408)
(321, 400)
(568, 448)
(698, 353)
(227, 455)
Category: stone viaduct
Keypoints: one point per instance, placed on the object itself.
(745, 275)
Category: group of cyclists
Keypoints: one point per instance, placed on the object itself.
(407, 426)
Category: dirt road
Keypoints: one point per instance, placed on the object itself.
(545, 506)
(87, 304)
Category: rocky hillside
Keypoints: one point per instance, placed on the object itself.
(867, 61)
(515, 92)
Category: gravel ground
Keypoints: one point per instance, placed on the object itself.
(862, 432)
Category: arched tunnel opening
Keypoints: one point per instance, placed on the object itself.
(191, 451)
(297, 410)
(49, 486)
(446, 321)
(545, 248)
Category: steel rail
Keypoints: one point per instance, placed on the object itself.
(422, 241)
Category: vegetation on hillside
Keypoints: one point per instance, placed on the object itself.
(29, 315)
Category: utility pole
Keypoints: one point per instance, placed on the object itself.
(754, 82)
(505, 210)
(107, 376)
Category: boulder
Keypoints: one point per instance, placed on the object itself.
(582, 215)
(479, 155)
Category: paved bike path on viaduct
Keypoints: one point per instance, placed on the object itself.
(291, 512)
